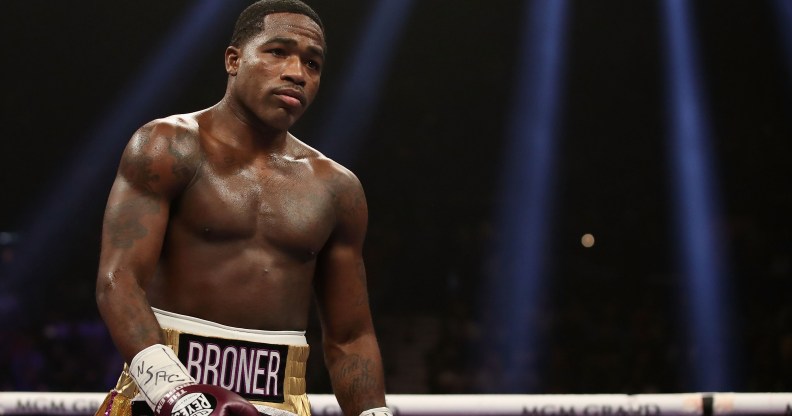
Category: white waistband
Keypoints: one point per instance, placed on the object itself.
(197, 326)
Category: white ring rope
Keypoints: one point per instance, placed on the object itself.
(45, 403)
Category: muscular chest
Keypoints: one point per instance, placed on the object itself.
(287, 208)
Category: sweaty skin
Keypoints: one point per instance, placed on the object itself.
(223, 215)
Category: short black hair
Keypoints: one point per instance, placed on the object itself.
(251, 20)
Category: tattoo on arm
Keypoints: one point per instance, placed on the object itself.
(356, 376)
(124, 221)
(138, 171)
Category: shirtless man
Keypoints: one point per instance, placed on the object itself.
(219, 230)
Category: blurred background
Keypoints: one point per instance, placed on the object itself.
(565, 196)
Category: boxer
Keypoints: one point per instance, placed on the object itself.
(224, 220)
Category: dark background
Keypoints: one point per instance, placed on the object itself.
(430, 163)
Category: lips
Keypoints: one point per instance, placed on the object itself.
(291, 96)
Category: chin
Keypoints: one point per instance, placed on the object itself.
(283, 120)
(282, 124)
(279, 120)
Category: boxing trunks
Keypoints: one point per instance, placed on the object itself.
(265, 367)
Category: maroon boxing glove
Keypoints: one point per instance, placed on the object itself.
(203, 400)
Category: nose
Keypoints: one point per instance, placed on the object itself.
(294, 71)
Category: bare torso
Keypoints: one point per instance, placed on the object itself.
(223, 215)
(244, 234)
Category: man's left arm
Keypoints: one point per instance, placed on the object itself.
(350, 346)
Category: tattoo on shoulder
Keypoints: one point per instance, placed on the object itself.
(139, 172)
(359, 201)
(183, 159)
(347, 190)
(124, 225)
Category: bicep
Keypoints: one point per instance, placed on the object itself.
(137, 209)
(341, 284)
(341, 292)
(133, 230)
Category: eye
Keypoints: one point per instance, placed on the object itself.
(277, 52)
(313, 65)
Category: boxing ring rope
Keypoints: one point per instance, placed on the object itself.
(27, 403)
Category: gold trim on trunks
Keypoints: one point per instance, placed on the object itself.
(295, 398)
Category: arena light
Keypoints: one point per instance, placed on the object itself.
(516, 280)
(705, 279)
(85, 177)
(783, 13)
(340, 132)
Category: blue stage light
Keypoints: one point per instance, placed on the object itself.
(517, 277)
(44, 240)
(339, 135)
(697, 211)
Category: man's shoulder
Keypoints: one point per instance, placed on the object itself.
(324, 167)
(343, 185)
(172, 136)
(174, 126)
(168, 148)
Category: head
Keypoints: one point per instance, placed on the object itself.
(274, 61)
(251, 20)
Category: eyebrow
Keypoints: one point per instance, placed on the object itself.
(291, 42)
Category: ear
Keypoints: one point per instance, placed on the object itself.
(232, 57)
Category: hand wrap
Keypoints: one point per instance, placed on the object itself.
(157, 371)
(379, 411)
(170, 390)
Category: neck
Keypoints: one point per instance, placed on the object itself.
(229, 122)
